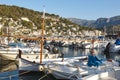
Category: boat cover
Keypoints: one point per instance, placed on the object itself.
(117, 42)
(93, 61)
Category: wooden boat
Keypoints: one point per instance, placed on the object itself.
(25, 65)
(29, 56)
(37, 63)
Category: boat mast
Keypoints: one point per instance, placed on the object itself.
(92, 50)
(8, 34)
(42, 36)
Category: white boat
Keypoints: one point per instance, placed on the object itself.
(37, 63)
(101, 76)
(27, 53)
(34, 64)
(25, 65)
(97, 44)
(115, 47)
(30, 56)
(64, 70)
(78, 70)
(14, 47)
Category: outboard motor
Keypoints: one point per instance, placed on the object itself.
(119, 52)
(55, 50)
(106, 51)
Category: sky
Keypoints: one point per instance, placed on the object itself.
(82, 9)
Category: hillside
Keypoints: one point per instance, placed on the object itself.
(81, 22)
(22, 21)
(99, 23)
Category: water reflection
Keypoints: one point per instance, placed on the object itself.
(69, 52)
(8, 69)
(8, 65)
(79, 52)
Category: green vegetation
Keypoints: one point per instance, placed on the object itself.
(53, 22)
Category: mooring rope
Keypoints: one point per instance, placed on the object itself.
(42, 77)
(24, 73)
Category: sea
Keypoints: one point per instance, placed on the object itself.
(68, 52)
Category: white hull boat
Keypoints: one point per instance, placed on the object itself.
(100, 76)
(114, 46)
(25, 65)
(34, 64)
(77, 70)
(63, 70)
(13, 56)
(89, 45)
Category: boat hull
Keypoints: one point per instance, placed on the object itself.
(14, 56)
(10, 75)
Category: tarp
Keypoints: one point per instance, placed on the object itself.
(20, 45)
(93, 61)
(117, 42)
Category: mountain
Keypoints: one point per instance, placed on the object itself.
(99, 23)
(23, 21)
(81, 22)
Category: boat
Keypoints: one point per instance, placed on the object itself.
(64, 69)
(97, 44)
(25, 65)
(81, 69)
(77, 69)
(14, 55)
(27, 53)
(37, 63)
(101, 76)
(115, 47)
(13, 48)
(9, 75)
